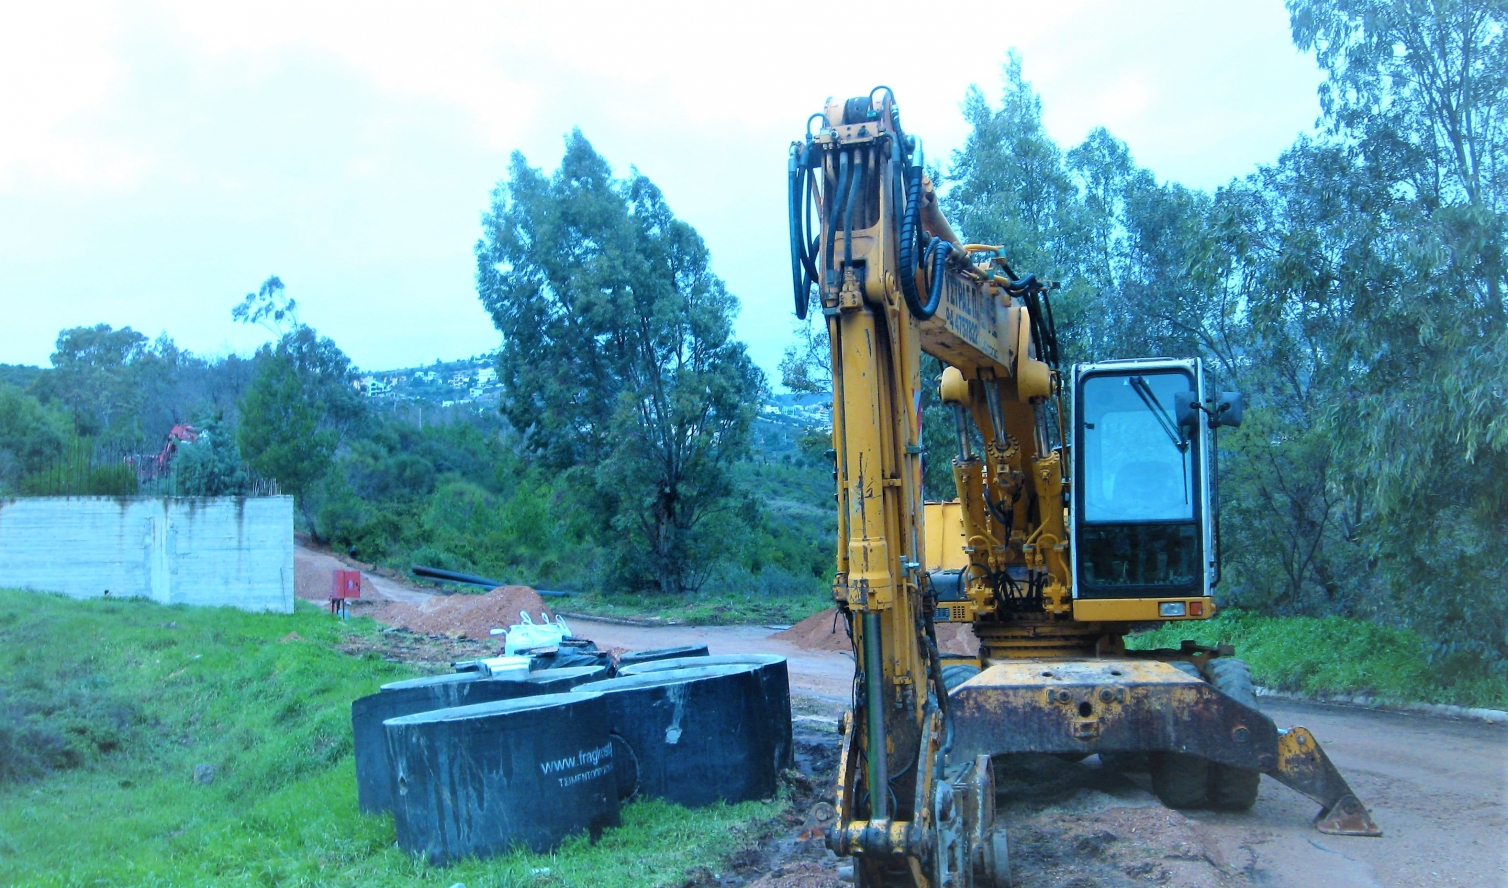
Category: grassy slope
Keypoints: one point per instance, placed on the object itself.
(265, 698)
(1334, 655)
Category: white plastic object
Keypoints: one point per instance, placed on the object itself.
(507, 667)
(529, 634)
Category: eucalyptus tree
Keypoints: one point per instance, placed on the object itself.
(618, 362)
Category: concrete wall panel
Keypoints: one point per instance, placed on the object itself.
(191, 550)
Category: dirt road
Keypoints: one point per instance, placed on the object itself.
(312, 572)
(1438, 788)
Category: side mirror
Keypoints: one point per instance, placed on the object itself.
(1185, 410)
(1228, 411)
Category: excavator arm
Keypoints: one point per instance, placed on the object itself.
(871, 251)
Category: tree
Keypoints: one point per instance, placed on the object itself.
(92, 376)
(1416, 93)
(32, 436)
(281, 430)
(299, 407)
(618, 363)
(211, 465)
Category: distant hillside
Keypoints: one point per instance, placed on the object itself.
(444, 384)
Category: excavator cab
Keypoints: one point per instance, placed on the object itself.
(1144, 507)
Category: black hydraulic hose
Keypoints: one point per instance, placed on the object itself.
(1052, 329)
(1024, 284)
(855, 185)
(910, 234)
(799, 282)
(832, 209)
(937, 254)
(817, 116)
(808, 256)
(934, 672)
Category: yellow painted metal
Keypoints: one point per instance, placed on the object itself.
(945, 540)
(1135, 610)
(954, 388)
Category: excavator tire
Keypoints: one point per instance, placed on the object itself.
(1126, 762)
(955, 675)
(1179, 780)
(1232, 788)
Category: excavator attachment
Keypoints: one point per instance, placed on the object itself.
(1143, 706)
(1303, 766)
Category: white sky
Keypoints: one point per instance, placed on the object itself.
(158, 161)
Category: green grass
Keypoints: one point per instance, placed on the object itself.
(264, 698)
(1335, 656)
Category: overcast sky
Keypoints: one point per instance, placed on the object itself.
(158, 161)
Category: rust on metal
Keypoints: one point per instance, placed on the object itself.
(1108, 705)
(1303, 765)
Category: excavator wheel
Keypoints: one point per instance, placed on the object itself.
(955, 675)
(1179, 780)
(1232, 788)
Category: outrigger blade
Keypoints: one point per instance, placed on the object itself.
(1303, 766)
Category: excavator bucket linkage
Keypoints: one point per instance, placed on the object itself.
(1139, 705)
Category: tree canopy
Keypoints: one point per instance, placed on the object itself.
(1354, 289)
(618, 362)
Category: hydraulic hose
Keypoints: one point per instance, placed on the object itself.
(910, 238)
(809, 256)
(855, 185)
(832, 210)
(937, 258)
(800, 283)
(874, 710)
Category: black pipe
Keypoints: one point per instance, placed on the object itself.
(436, 573)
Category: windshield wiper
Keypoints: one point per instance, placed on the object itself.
(1148, 397)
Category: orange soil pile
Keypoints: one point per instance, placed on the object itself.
(472, 616)
(824, 632)
(819, 632)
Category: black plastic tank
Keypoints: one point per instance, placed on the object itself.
(774, 688)
(374, 774)
(564, 678)
(691, 736)
(481, 780)
(665, 653)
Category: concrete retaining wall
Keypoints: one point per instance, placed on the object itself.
(176, 550)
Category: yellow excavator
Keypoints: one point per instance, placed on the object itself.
(1073, 526)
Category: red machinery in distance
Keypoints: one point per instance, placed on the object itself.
(149, 467)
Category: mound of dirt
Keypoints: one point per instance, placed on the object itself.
(825, 632)
(469, 616)
(819, 632)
